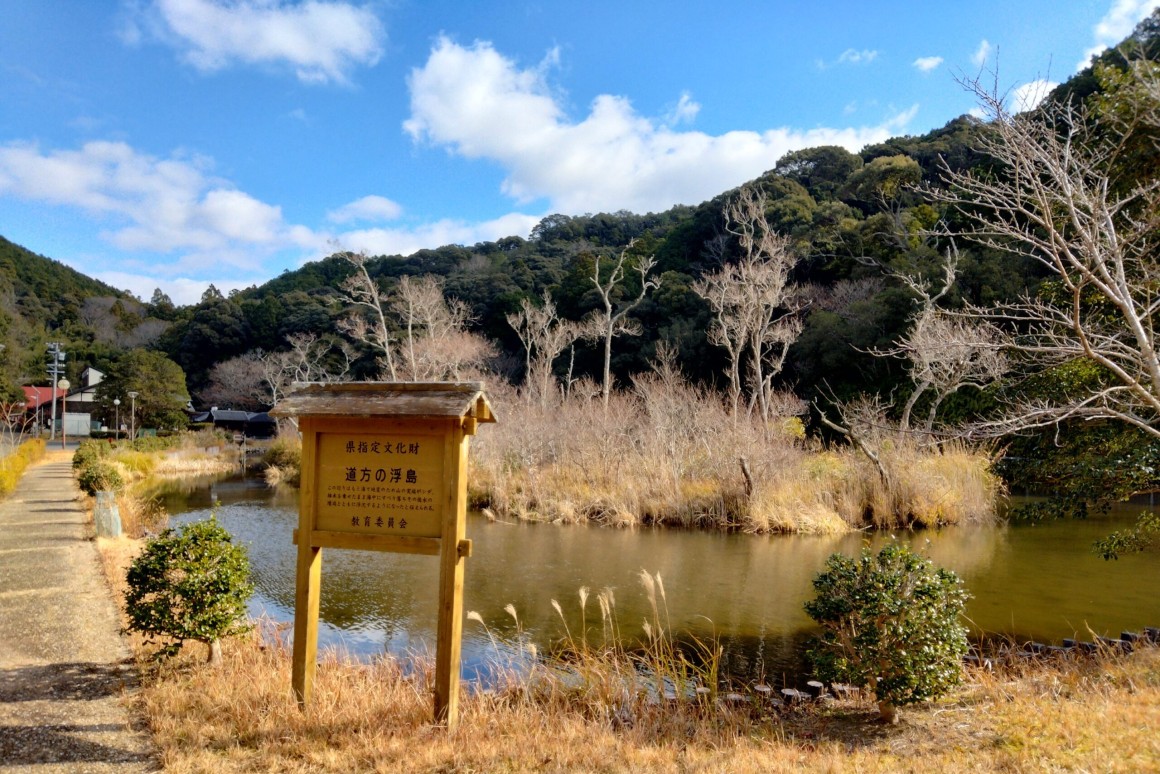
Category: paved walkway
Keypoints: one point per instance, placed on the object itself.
(63, 666)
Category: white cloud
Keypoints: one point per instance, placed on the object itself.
(161, 205)
(175, 226)
(322, 41)
(185, 279)
(1029, 95)
(850, 56)
(1116, 25)
(853, 56)
(364, 209)
(979, 58)
(927, 63)
(481, 105)
(404, 241)
(685, 111)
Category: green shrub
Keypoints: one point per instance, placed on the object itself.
(99, 476)
(190, 584)
(89, 452)
(890, 622)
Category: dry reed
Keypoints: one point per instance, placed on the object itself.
(669, 454)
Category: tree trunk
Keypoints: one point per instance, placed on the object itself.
(747, 476)
(215, 653)
(606, 388)
(904, 423)
(888, 712)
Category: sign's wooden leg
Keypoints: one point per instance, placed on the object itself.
(451, 565)
(307, 591)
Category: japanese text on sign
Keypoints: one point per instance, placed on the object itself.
(380, 484)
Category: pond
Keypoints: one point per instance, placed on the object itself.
(1039, 582)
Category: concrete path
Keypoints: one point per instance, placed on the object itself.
(63, 667)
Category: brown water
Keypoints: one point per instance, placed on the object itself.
(1029, 582)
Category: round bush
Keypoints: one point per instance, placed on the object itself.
(99, 476)
(891, 622)
(190, 584)
(88, 453)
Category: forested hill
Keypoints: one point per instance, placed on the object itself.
(843, 211)
(43, 300)
(36, 286)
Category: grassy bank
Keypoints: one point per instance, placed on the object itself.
(667, 453)
(140, 464)
(1087, 715)
(1077, 716)
(594, 708)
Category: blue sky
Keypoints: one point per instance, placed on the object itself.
(177, 143)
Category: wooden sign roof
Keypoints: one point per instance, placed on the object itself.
(386, 399)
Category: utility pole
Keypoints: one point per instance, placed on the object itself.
(133, 416)
(56, 358)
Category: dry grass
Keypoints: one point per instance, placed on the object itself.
(139, 515)
(1092, 716)
(283, 460)
(197, 464)
(668, 453)
(17, 459)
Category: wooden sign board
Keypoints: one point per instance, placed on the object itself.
(382, 484)
(384, 468)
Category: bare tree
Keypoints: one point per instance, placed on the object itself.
(309, 358)
(315, 358)
(277, 375)
(239, 382)
(368, 321)
(15, 416)
(96, 314)
(451, 356)
(863, 421)
(755, 307)
(544, 336)
(945, 351)
(435, 341)
(1057, 197)
(723, 291)
(844, 295)
(613, 318)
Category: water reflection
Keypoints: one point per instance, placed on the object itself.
(1028, 581)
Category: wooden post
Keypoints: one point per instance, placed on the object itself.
(451, 576)
(308, 579)
(384, 468)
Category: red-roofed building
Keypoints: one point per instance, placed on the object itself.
(38, 404)
(35, 397)
(76, 408)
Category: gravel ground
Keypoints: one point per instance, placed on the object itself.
(64, 671)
